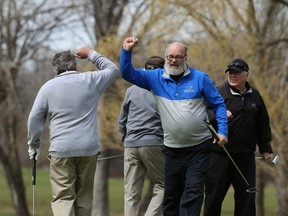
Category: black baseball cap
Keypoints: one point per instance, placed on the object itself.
(237, 65)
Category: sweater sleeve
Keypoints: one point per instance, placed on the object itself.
(36, 120)
(263, 129)
(107, 70)
(217, 104)
(138, 77)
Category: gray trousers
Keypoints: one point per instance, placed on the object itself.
(137, 162)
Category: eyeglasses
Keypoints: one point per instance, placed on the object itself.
(177, 58)
(239, 65)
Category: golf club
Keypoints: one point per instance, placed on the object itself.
(214, 134)
(110, 157)
(33, 182)
(272, 160)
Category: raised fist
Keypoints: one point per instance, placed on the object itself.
(129, 43)
(82, 53)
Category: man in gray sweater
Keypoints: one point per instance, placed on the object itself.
(70, 102)
(140, 125)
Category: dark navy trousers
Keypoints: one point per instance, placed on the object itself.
(185, 170)
(221, 175)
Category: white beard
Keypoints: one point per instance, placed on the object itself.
(175, 71)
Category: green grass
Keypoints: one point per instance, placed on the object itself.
(43, 196)
(270, 202)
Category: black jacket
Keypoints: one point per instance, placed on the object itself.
(250, 122)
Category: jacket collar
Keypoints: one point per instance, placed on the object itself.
(235, 91)
(67, 73)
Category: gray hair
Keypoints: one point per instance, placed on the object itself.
(64, 61)
(183, 46)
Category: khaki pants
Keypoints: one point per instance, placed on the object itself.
(72, 181)
(137, 162)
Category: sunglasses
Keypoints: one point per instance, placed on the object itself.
(239, 65)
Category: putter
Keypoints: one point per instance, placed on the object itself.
(33, 182)
(272, 160)
(214, 135)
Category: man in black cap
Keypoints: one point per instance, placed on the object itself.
(142, 133)
(248, 125)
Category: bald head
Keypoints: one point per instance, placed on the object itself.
(177, 47)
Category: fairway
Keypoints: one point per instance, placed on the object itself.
(43, 196)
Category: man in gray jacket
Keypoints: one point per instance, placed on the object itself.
(70, 102)
(141, 129)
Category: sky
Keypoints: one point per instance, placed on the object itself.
(68, 40)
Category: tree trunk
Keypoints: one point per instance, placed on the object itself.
(109, 136)
(13, 174)
(282, 188)
(100, 205)
(9, 128)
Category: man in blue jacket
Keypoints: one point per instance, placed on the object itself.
(182, 94)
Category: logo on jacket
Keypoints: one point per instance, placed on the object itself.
(253, 105)
(189, 88)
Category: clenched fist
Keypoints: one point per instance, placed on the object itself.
(82, 53)
(129, 43)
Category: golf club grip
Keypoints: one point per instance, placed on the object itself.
(212, 130)
(34, 169)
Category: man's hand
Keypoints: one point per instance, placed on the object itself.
(129, 43)
(222, 140)
(267, 155)
(32, 151)
(229, 114)
(82, 53)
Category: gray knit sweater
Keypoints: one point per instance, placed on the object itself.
(139, 121)
(70, 102)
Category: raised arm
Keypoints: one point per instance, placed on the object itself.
(107, 69)
(129, 43)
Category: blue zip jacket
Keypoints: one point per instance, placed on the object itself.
(181, 105)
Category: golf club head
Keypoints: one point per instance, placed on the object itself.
(252, 190)
(270, 160)
(275, 159)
